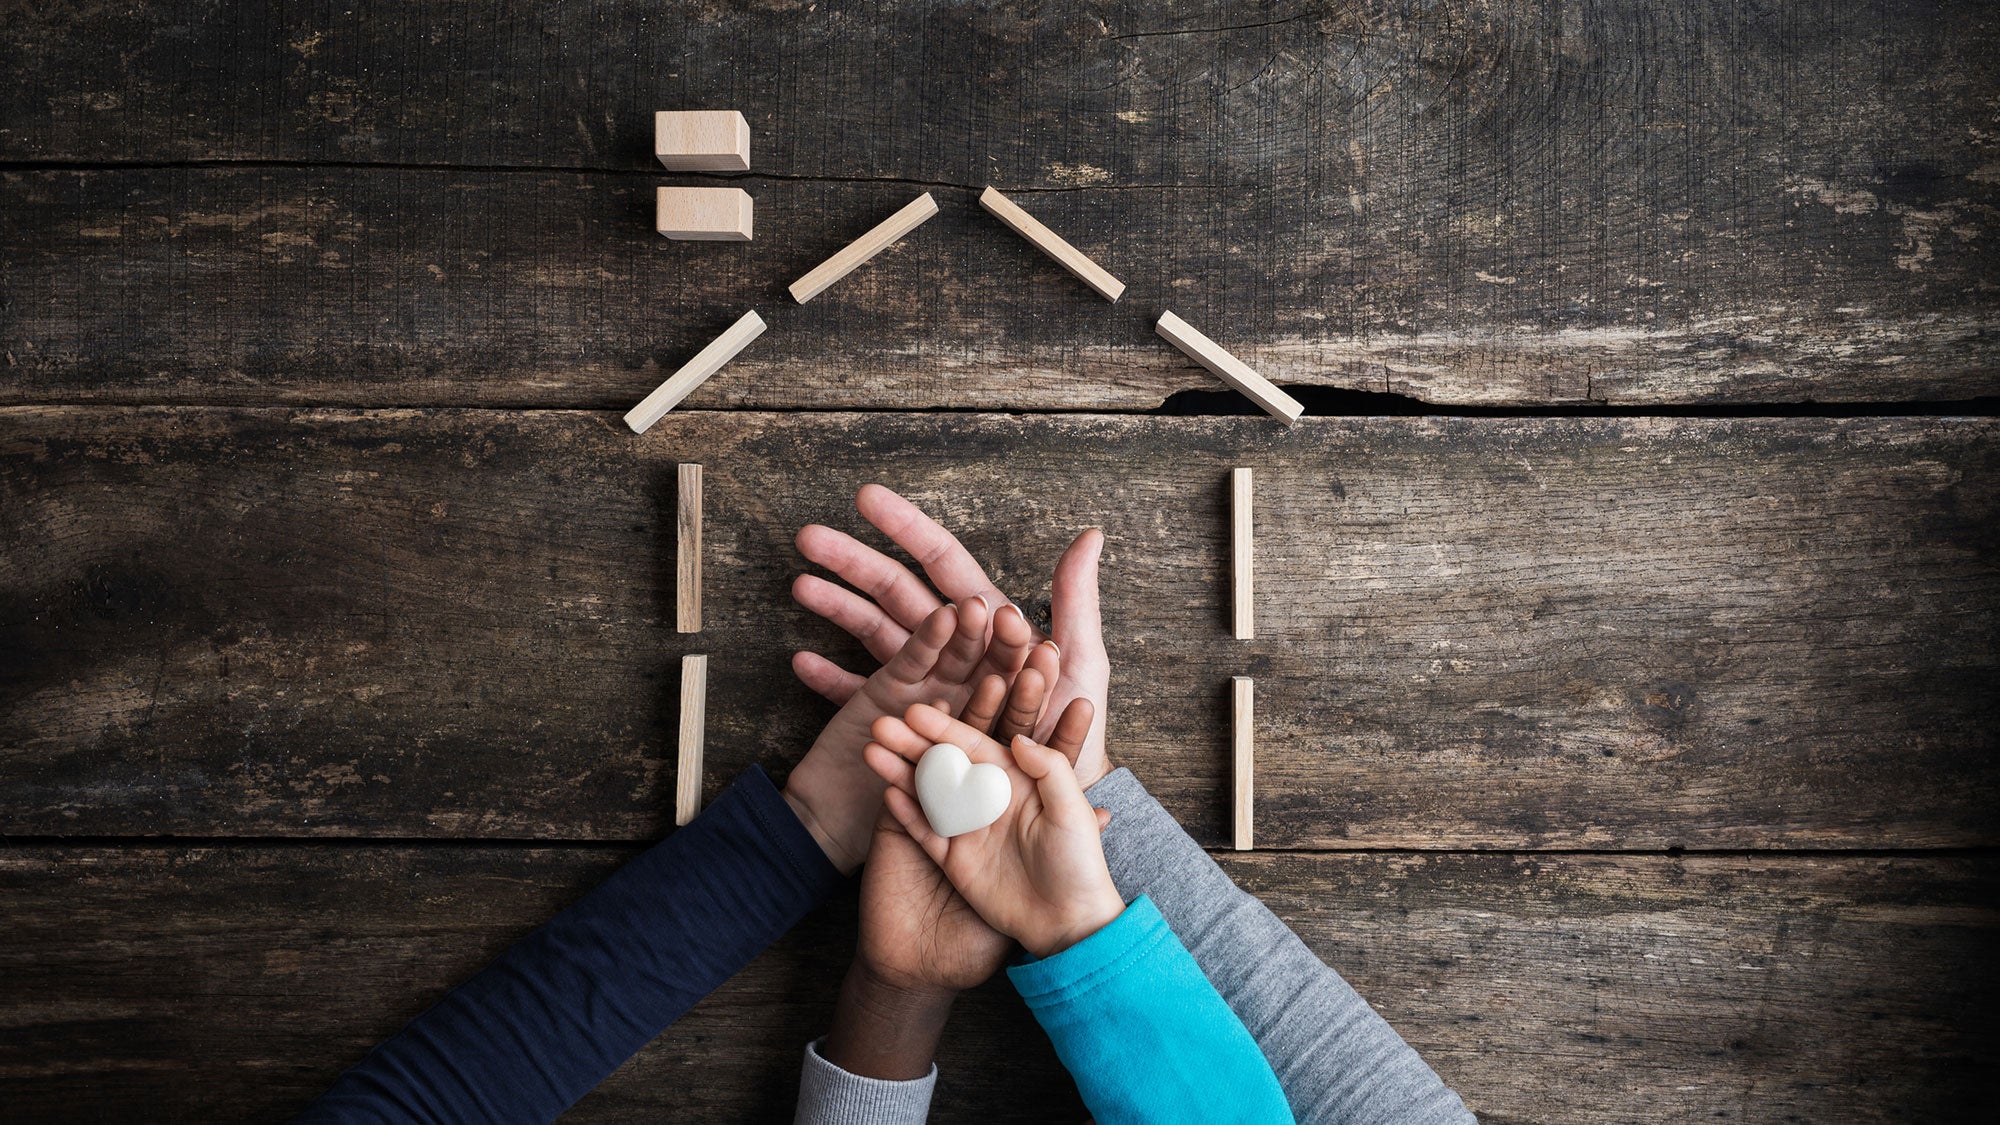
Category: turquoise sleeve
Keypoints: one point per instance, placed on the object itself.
(1144, 1034)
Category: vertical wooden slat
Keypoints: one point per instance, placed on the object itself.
(1240, 539)
(1242, 722)
(694, 720)
(687, 554)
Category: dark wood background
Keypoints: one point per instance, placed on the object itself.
(1626, 711)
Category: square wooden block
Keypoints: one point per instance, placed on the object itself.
(710, 214)
(702, 140)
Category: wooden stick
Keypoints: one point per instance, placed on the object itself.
(1240, 551)
(687, 554)
(1233, 371)
(1241, 723)
(694, 724)
(695, 372)
(702, 140)
(704, 214)
(1052, 244)
(867, 246)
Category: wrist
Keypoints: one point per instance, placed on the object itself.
(1090, 914)
(843, 857)
(887, 1029)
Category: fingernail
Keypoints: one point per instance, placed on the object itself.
(981, 599)
(1016, 609)
(1055, 646)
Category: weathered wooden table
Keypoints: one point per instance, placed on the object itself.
(1627, 725)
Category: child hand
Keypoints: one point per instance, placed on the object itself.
(1036, 874)
(920, 943)
(917, 932)
(834, 793)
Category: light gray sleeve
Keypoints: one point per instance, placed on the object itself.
(829, 1095)
(1337, 1059)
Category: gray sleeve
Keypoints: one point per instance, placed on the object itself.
(1337, 1059)
(829, 1095)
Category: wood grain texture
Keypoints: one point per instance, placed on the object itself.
(693, 734)
(858, 253)
(1243, 762)
(1054, 245)
(233, 984)
(1624, 633)
(1243, 552)
(1239, 375)
(696, 371)
(1467, 201)
(704, 214)
(698, 140)
(687, 549)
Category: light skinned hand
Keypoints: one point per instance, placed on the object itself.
(837, 797)
(892, 601)
(1036, 874)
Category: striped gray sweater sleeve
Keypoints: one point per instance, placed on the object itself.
(829, 1095)
(1337, 1059)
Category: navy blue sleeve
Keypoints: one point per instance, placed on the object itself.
(560, 1010)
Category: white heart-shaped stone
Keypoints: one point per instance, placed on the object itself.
(957, 796)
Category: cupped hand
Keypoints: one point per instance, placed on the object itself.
(917, 932)
(893, 602)
(833, 791)
(1036, 874)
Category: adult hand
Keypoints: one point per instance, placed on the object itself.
(1038, 872)
(836, 796)
(893, 601)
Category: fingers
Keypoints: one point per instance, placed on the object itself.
(895, 735)
(910, 815)
(837, 684)
(950, 566)
(1075, 621)
(1054, 781)
(924, 726)
(1103, 819)
(1012, 637)
(900, 594)
(983, 709)
(861, 618)
(918, 655)
(1045, 658)
(1072, 728)
(890, 767)
(1024, 704)
(968, 642)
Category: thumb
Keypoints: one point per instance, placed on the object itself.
(1055, 782)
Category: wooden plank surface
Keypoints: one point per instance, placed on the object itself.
(373, 287)
(234, 983)
(1537, 633)
(1641, 201)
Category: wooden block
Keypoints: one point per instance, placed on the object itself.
(702, 140)
(694, 724)
(867, 246)
(1052, 244)
(687, 552)
(1233, 371)
(695, 372)
(703, 214)
(1240, 528)
(1242, 723)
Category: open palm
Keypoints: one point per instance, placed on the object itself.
(896, 601)
(1038, 872)
(837, 795)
